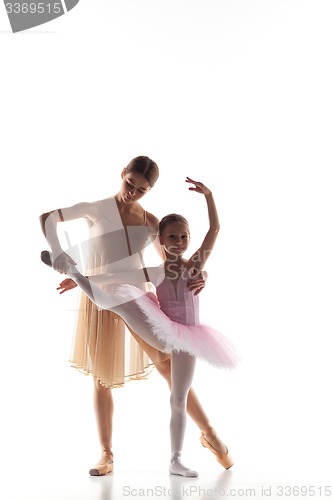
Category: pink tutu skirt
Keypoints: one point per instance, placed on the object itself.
(201, 341)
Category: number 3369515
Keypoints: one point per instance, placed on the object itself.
(33, 8)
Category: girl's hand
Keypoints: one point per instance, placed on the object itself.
(199, 187)
(67, 284)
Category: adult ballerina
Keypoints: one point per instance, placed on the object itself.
(94, 350)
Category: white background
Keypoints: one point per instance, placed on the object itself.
(237, 94)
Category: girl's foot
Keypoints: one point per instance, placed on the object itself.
(210, 440)
(104, 466)
(178, 469)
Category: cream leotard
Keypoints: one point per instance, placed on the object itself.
(110, 247)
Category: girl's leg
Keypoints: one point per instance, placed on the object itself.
(135, 319)
(194, 407)
(103, 404)
(182, 370)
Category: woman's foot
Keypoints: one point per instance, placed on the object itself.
(178, 469)
(104, 466)
(210, 440)
(46, 257)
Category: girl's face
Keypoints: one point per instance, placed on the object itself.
(133, 187)
(175, 238)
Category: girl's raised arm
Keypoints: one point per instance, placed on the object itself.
(198, 259)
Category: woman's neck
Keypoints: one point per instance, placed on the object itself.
(125, 207)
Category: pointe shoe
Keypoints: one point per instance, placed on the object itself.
(103, 467)
(223, 458)
(46, 257)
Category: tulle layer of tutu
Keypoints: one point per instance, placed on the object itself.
(200, 341)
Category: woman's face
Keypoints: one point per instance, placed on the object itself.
(175, 238)
(133, 187)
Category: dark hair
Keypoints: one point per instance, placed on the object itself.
(145, 166)
(169, 219)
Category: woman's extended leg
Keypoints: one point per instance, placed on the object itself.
(182, 370)
(103, 404)
(129, 311)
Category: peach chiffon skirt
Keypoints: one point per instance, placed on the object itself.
(104, 347)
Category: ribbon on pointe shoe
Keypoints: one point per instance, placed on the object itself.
(223, 458)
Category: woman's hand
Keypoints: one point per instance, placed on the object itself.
(199, 187)
(67, 284)
(197, 282)
(63, 262)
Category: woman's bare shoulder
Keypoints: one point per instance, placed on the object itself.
(152, 221)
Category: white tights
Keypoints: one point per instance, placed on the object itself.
(182, 365)
(182, 370)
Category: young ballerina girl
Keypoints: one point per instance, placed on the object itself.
(171, 324)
